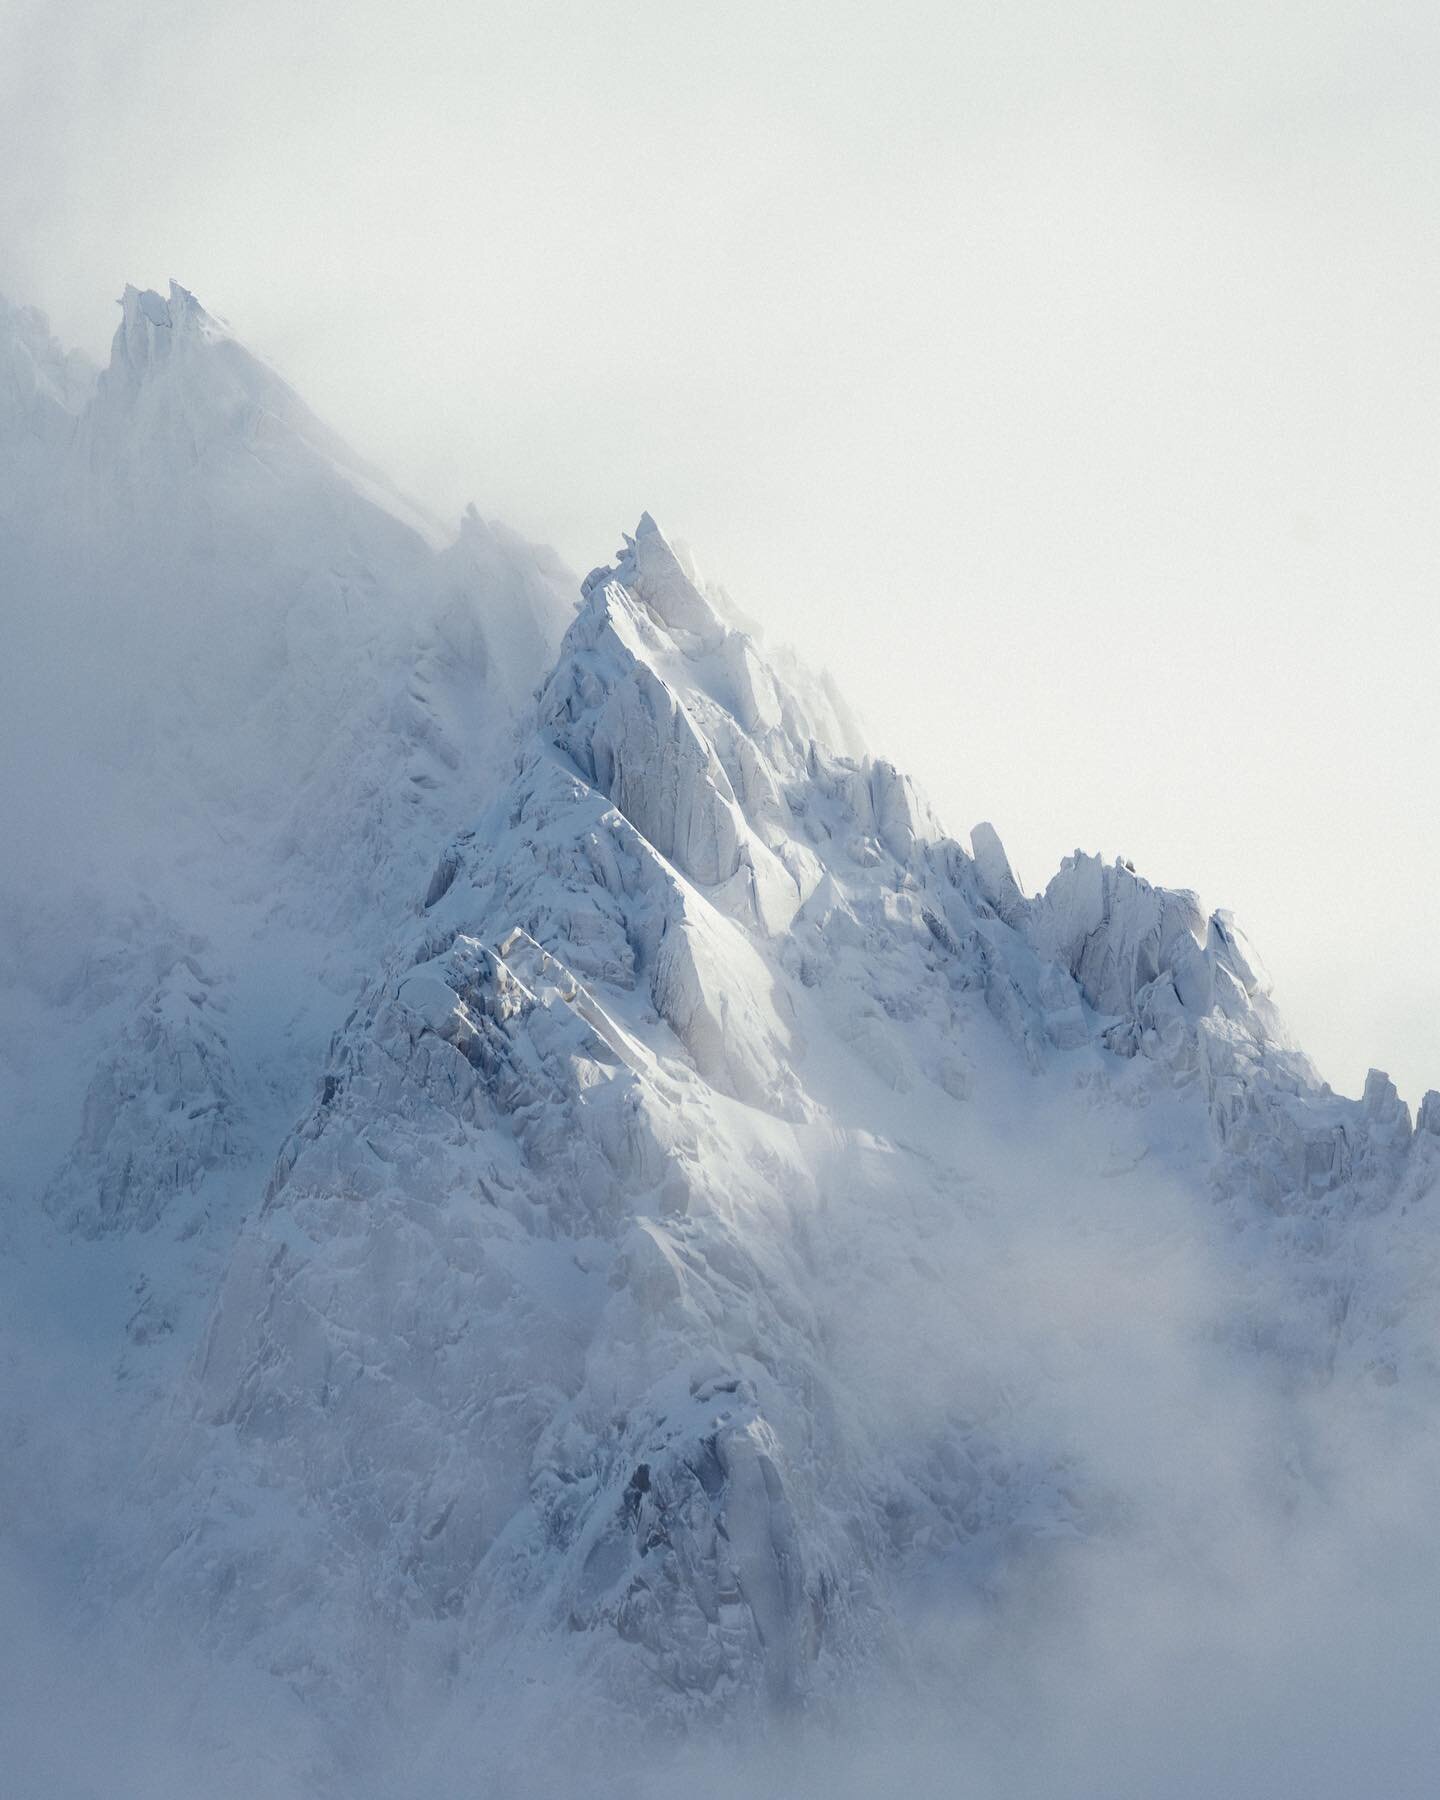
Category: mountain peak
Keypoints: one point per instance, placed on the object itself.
(651, 568)
(183, 393)
(197, 373)
(585, 1197)
(150, 324)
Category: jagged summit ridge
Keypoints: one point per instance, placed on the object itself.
(697, 1005)
(149, 324)
(182, 404)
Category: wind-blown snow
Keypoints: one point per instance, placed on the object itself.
(560, 1202)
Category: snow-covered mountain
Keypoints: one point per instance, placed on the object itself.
(546, 1198)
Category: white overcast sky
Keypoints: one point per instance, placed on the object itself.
(1064, 376)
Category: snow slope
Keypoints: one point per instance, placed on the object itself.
(594, 1214)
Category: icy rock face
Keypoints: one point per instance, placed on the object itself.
(1160, 978)
(577, 1072)
(534, 1230)
(1147, 954)
(630, 736)
(538, 1113)
(993, 874)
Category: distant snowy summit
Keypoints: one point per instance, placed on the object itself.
(564, 1105)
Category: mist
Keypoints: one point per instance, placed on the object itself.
(1066, 379)
(1241, 1603)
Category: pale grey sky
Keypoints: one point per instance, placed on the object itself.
(1065, 376)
